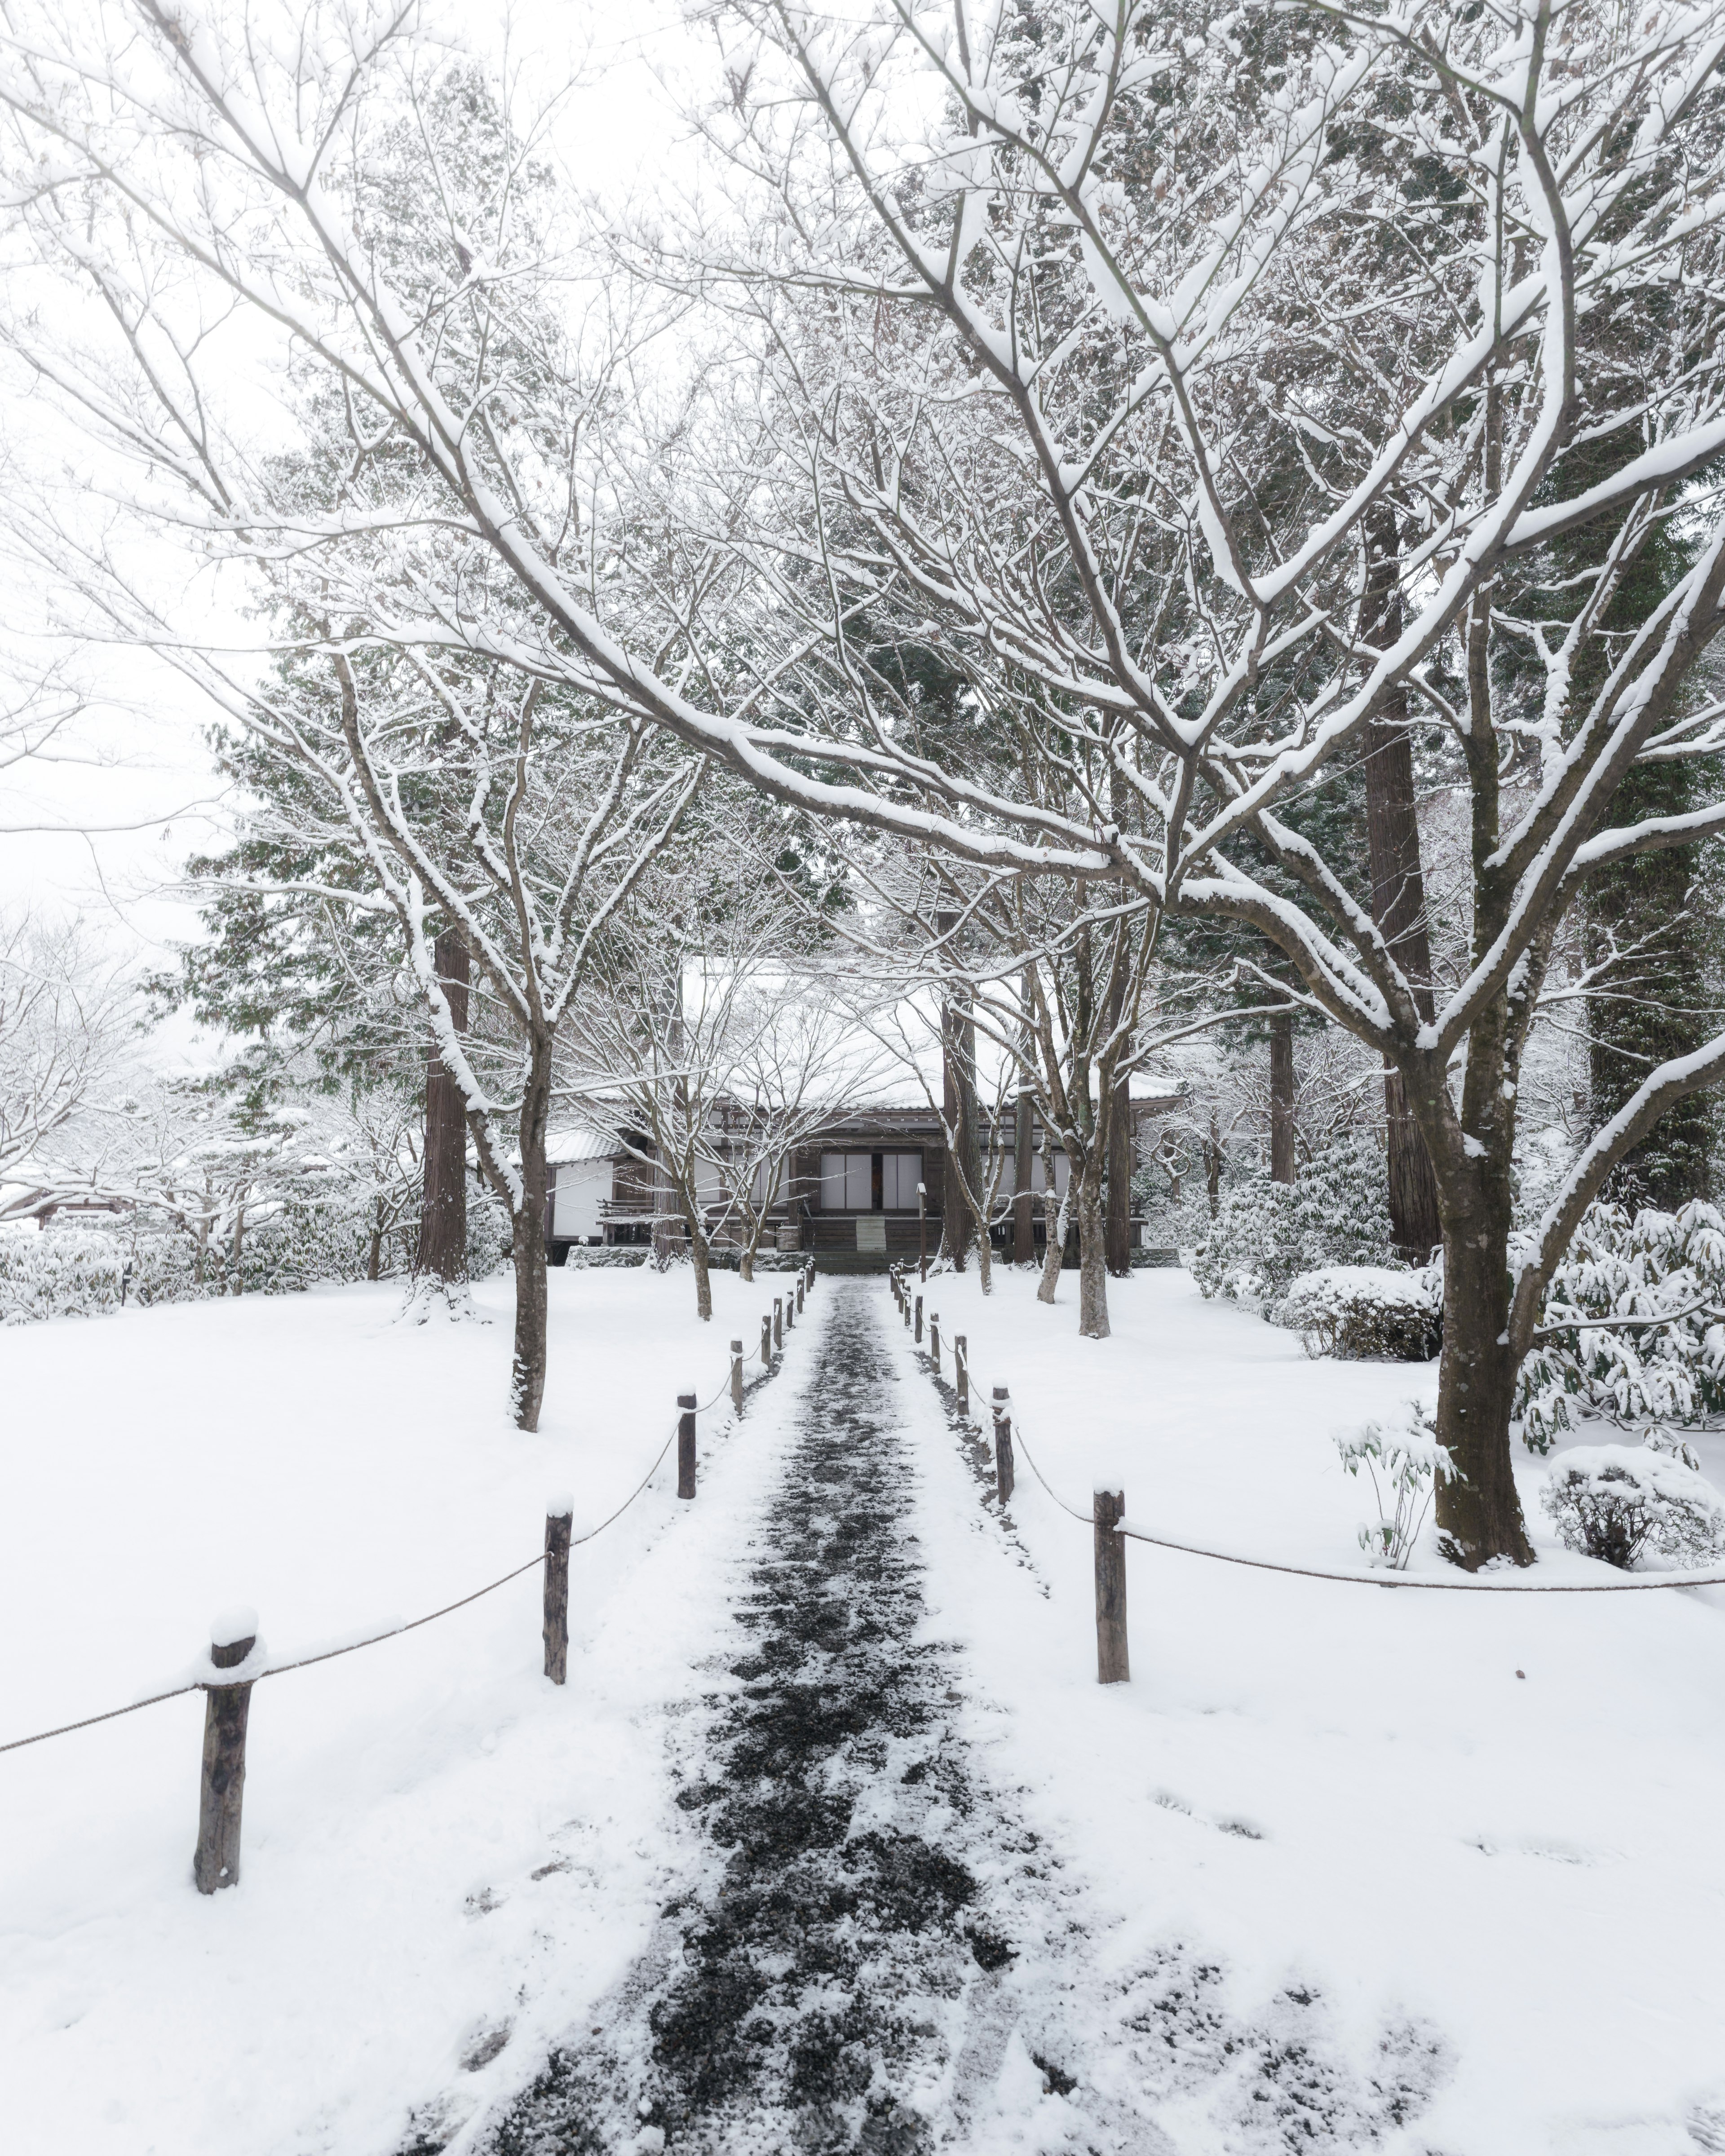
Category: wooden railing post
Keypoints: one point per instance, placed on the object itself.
(736, 1375)
(960, 1371)
(686, 1445)
(1112, 1665)
(919, 1320)
(766, 1342)
(934, 1340)
(1002, 1443)
(800, 1285)
(559, 1523)
(215, 1863)
(790, 1311)
(778, 1321)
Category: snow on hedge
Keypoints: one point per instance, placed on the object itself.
(1364, 1313)
(1667, 1267)
(1619, 1502)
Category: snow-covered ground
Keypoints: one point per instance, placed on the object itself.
(340, 1472)
(1330, 1824)
(1490, 1823)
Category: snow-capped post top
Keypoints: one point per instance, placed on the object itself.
(559, 1505)
(1111, 1490)
(233, 1625)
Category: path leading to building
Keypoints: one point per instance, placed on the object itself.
(836, 1982)
(869, 1951)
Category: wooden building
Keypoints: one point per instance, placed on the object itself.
(850, 1198)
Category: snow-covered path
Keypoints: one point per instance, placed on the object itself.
(833, 1976)
(1337, 1869)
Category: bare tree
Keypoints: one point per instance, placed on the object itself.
(65, 1016)
(1076, 414)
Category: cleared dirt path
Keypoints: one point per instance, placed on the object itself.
(833, 1984)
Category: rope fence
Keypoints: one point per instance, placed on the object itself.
(233, 1641)
(1108, 1519)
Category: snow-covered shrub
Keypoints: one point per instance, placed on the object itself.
(1365, 1313)
(59, 1272)
(620, 1254)
(1616, 1501)
(1405, 1463)
(1648, 1264)
(1265, 1234)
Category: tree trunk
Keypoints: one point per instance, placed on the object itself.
(1662, 1004)
(1054, 1240)
(746, 1262)
(528, 1247)
(1479, 1512)
(963, 1160)
(1213, 1169)
(1398, 896)
(1119, 1236)
(1413, 1224)
(703, 1277)
(238, 1245)
(374, 1251)
(1092, 1253)
(1024, 1229)
(442, 1254)
(1282, 1097)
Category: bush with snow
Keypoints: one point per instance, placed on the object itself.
(1365, 1313)
(1616, 1501)
(45, 1273)
(1405, 1463)
(1667, 1267)
(1266, 1234)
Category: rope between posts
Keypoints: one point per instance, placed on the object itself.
(330, 1654)
(1390, 1579)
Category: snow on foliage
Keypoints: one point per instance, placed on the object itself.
(1405, 1463)
(56, 1276)
(1365, 1313)
(1265, 1234)
(1589, 1359)
(1617, 1502)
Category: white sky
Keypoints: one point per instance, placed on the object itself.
(143, 762)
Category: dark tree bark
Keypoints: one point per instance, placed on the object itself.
(528, 1247)
(1120, 1164)
(442, 1254)
(1397, 898)
(1024, 1136)
(1479, 1510)
(959, 1109)
(1659, 1004)
(1282, 1097)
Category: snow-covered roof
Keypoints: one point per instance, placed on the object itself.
(577, 1142)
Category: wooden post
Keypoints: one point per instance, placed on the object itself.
(904, 1308)
(919, 1320)
(790, 1313)
(215, 1863)
(1112, 1666)
(960, 1371)
(934, 1340)
(799, 1294)
(778, 1321)
(922, 1233)
(766, 1342)
(1003, 1444)
(559, 1521)
(736, 1375)
(686, 1445)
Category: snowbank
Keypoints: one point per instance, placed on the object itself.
(1345, 1824)
(444, 1857)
